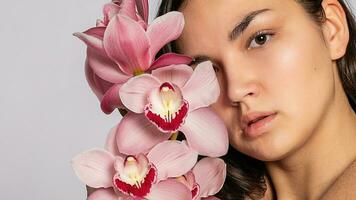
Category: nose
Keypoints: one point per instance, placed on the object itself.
(239, 92)
(242, 83)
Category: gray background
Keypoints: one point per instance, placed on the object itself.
(47, 112)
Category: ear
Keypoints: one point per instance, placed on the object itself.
(335, 28)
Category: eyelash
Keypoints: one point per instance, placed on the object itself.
(256, 35)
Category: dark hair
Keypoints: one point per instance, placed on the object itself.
(246, 176)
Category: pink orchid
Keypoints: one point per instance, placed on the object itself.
(206, 178)
(109, 10)
(124, 49)
(125, 7)
(142, 8)
(171, 99)
(137, 177)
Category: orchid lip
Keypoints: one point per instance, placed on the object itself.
(166, 86)
(192, 185)
(195, 191)
(166, 108)
(136, 178)
(171, 122)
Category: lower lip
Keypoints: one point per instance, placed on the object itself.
(258, 128)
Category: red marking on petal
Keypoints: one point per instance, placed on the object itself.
(195, 191)
(168, 85)
(165, 126)
(134, 190)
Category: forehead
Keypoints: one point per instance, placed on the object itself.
(213, 20)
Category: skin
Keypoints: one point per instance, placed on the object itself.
(309, 146)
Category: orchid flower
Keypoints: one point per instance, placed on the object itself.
(142, 8)
(171, 99)
(143, 176)
(125, 7)
(206, 178)
(109, 10)
(124, 49)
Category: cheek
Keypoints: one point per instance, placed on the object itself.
(299, 84)
(300, 79)
(294, 69)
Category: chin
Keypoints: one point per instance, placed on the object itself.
(266, 155)
(273, 146)
(269, 156)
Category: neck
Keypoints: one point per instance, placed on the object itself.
(308, 172)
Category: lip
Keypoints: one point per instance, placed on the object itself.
(259, 127)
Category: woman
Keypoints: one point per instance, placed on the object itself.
(287, 70)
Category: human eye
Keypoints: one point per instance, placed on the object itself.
(259, 39)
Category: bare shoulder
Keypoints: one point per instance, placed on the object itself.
(345, 186)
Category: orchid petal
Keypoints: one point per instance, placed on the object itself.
(202, 89)
(110, 144)
(135, 134)
(142, 23)
(142, 7)
(177, 74)
(189, 179)
(119, 163)
(95, 168)
(109, 11)
(172, 159)
(210, 174)
(126, 43)
(109, 194)
(169, 189)
(206, 132)
(105, 68)
(128, 8)
(93, 38)
(98, 85)
(117, 2)
(103, 194)
(170, 59)
(97, 32)
(164, 29)
(134, 92)
(111, 99)
(100, 23)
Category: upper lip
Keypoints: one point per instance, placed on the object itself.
(252, 116)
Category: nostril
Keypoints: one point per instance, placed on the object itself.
(238, 94)
(250, 94)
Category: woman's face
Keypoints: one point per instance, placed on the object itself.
(274, 65)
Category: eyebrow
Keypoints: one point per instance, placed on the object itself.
(235, 33)
(241, 27)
